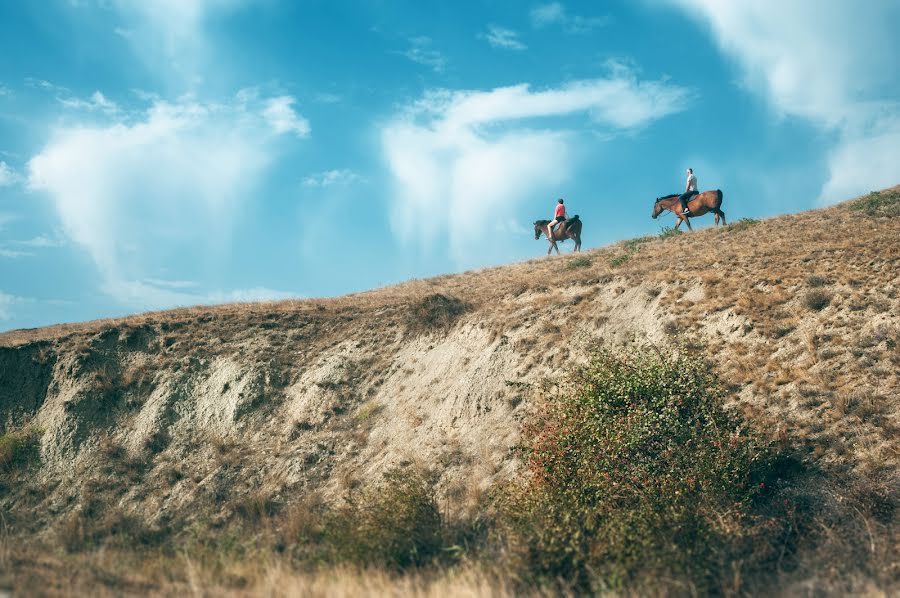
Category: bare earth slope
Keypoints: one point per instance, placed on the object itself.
(204, 406)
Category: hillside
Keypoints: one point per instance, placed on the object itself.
(181, 418)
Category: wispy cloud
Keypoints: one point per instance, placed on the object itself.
(283, 118)
(154, 293)
(166, 182)
(97, 102)
(14, 253)
(828, 63)
(7, 302)
(500, 37)
(329, 178)
(449, 160)
(421, 52)
(556, 14)
(8, 176)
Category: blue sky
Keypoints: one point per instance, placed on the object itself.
(174, 152)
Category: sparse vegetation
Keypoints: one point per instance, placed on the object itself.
(880, 203)
(436, 311)
(742, 224)
(667, 232)
(582, 261)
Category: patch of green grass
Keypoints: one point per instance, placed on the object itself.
(742, 224)
(368, 411)
(619, 260)
(668, 232)
(581, 261)
(638, 472)
(879, 203)
(19, 449)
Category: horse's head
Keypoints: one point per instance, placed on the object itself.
(657, 208)
(539, 228)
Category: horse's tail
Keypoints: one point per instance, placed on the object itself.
(718, 198)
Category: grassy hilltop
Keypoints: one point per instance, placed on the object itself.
(708, 412)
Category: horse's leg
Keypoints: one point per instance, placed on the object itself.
(722, 214)
(688, 222)
(717, 218)
(677, 224)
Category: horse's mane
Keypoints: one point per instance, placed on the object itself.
(667, 197)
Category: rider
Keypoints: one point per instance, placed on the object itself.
(559, 216)
(690, 190)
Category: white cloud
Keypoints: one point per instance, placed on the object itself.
(421, 52)
(500, 37)
(555, 14)
(7, 302)
(97, 102)
(249, 295)
(329, 178)
(163, 185)
(283, 118)
(14, 253)
(170, 36)
(831, 63)
(4, 91)
(8, 176)
(456, 157)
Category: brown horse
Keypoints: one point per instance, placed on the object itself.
(708, 201)
(569, 229)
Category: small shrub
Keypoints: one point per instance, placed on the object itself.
(742, 224)
(581, 261)
(619, 260)
(19, 449)
(886, 203)
(817, 299)
(637, 472)
(396, 525)
(668, 232)
(435, 312)
(815, 281)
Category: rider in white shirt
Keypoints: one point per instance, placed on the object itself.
(690, 190)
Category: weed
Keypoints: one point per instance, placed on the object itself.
(817, 299)
(619, 260)
(667, 232)
(582, 261)
(814, 281)
(742, 224)
(436, 311)
(19, 449)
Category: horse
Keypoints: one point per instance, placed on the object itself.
(708, 201)
(568, 229)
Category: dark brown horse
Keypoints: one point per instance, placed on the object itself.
(569, 229)
(708, 201)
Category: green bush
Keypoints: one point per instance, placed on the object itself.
(19, 449)
(638, 472)
(395, 525)
(885, 203)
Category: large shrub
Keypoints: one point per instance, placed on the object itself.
(636, 472)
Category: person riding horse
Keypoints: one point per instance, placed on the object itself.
(559, 216)
(690, 190)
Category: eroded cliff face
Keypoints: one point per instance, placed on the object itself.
(175, 416)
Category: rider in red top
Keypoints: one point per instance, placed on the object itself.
(558, 216)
